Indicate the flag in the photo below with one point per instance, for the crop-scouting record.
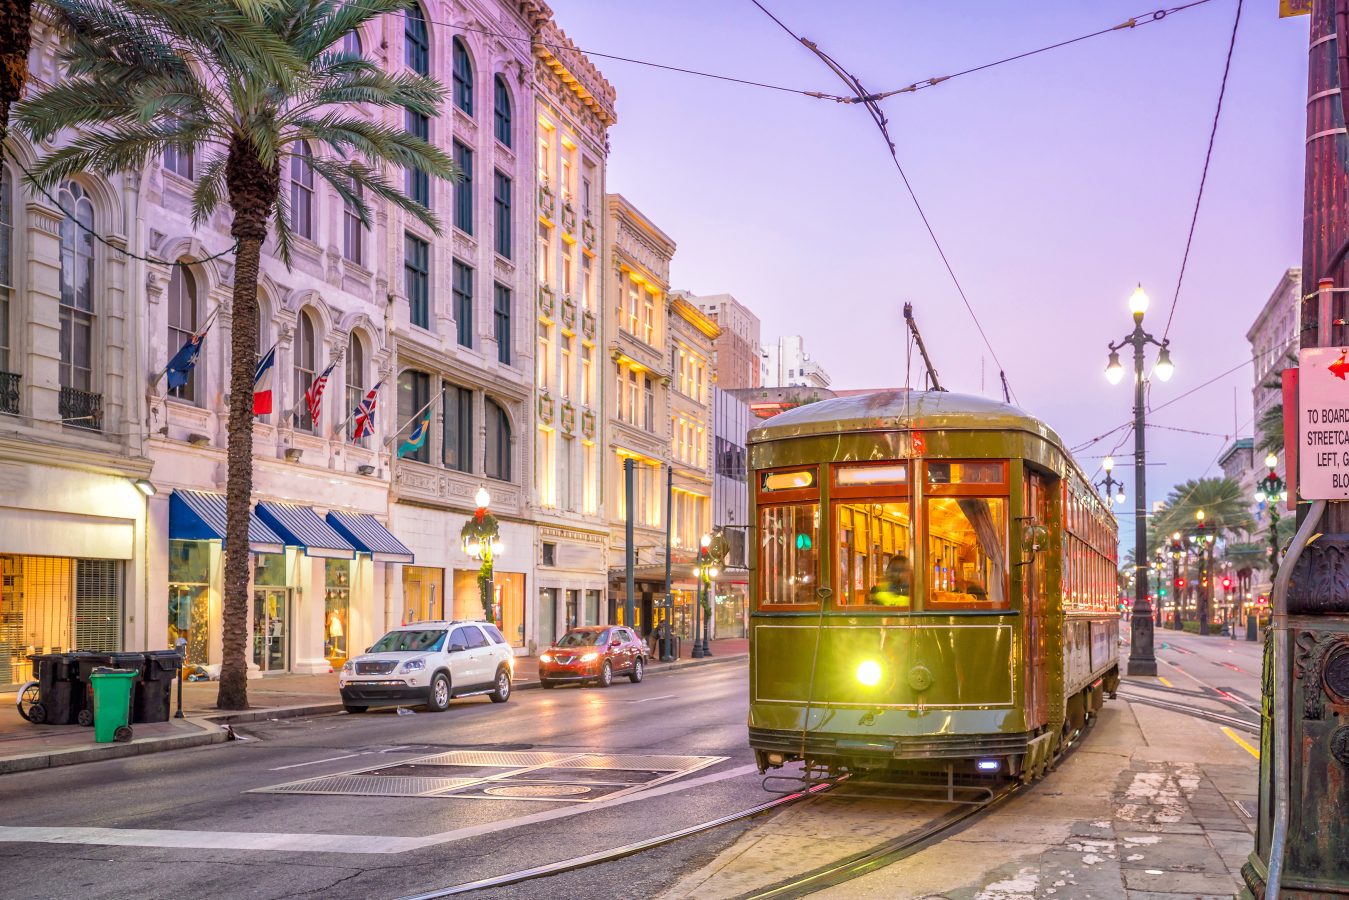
(418, 436)
(364, 414)
(262, 383)
(180, 367)
(314, 396)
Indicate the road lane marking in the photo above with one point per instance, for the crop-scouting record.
(1162, 679)
(649, 699)
(1240, 741)
(328, 843)
(315, 762)
(1205, 684)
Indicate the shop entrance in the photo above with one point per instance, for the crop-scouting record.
(271, 631)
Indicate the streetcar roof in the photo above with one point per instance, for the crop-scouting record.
(901, 410)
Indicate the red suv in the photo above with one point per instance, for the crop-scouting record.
(594, 653)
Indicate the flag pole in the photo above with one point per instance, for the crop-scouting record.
(416, 417)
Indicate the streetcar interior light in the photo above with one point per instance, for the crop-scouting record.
(1164, 368)
(987, 765)
(869, 672)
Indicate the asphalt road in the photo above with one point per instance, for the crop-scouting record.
(191, 823)
(1213, 665)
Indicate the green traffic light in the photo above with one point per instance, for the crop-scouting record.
(803, 542)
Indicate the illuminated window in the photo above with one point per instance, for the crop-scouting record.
(873, 543)
(967, 552)
(788, 536)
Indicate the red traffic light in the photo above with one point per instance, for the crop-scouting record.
(1227, 583)
(1180, 582)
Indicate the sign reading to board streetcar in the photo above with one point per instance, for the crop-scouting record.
(1323, 423)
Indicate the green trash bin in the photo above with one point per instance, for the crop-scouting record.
(113, 689)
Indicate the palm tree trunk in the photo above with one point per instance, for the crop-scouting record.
(16, 36)
(253, 189)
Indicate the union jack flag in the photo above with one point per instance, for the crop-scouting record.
(314, 395)
(363, 417)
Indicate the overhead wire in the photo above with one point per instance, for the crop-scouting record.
(1203, 175)
(873, 108)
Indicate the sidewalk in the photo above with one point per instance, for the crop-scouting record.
(1153, 805)
(25, 746)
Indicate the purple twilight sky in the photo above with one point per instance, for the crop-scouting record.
(1055, 184)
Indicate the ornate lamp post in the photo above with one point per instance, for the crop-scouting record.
(712, 550)
(1114, 490)
(482, 541)
(1271, 490)
(1142, 659)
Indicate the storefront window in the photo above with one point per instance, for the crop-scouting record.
(189, 599)
(592, 612)
(423, 594)
(788, 536)
(336, 610)
(51, 604)
(730, 606)
(269, 569)
(875, 553)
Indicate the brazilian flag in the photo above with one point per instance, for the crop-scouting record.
(417, 438)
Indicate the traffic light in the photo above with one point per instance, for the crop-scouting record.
(1227, 584)
(1180, 583)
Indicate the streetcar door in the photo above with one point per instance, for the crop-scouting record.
(1035, 583)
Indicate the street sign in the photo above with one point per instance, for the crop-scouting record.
(1323, 423)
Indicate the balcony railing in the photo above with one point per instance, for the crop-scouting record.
(81, 409)
(9, 393)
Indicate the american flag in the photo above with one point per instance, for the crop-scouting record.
(364, 414)
(314, 395)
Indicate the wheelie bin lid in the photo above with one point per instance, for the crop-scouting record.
(106, 671)
(161, 662)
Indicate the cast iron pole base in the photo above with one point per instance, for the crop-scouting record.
(1142, 660)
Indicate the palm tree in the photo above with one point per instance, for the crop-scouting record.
(245, 84)
(1224, 511)
(16, 36)
(1270, 428)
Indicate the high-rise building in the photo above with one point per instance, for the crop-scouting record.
(787, 364)
(736, 355)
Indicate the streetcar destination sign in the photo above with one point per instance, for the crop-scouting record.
(1323, 423)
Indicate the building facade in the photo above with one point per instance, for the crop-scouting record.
(731, 423)
(737, 357)
(787, 364)
(574, 109)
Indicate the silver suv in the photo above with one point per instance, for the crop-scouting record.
(427, 663)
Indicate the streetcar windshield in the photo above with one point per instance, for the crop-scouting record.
(967, 552)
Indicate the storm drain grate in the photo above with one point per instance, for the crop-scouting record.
(505, 775)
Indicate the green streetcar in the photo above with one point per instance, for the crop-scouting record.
(934, 588)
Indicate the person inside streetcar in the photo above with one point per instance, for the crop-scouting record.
(895, 588)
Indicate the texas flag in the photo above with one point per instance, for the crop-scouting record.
(262, 383)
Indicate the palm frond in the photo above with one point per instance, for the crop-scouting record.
(322, 31)
(376, 142)
(209, 189)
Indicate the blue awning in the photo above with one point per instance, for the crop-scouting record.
(301, 526)
(200, 516)
(367, 535)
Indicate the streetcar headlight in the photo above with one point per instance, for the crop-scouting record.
(869, 672)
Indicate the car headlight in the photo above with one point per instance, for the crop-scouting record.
(349, 667)
(590, 657)
(412, 665)
(545, 657)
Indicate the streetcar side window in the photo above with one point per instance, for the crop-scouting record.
(788, 560)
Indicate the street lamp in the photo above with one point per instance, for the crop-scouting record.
(1142, 659)
(482, 541)
(712, 549)
(1272, 490)
(1114, 490)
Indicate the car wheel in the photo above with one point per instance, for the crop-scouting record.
(638, 671)
(503, 691)
(439, 701)
(354, 709)
(546, 684)
(606, 676)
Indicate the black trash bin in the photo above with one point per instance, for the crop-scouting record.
(85, 663)
(60, 697)
(154, 692)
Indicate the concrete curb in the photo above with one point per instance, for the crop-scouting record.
(29, 762)
(214, 732)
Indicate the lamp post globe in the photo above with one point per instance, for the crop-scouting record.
(1138, 302)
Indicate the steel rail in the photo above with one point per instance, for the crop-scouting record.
(1226, 697)
(1219, 718)
(604, 856)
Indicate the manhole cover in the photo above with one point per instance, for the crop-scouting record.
(537, 790)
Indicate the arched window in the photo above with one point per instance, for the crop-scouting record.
(182, 303)
(498, 450)
(351, 43)
(77, 299)
(355, 379)
(178, 160)
(306, 367)
(463, 77)
(501, 110)
(416, 41)
(302, 192)
(9, 392)
(414, 393)
(352, 237)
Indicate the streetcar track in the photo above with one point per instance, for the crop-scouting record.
(1210, 715)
